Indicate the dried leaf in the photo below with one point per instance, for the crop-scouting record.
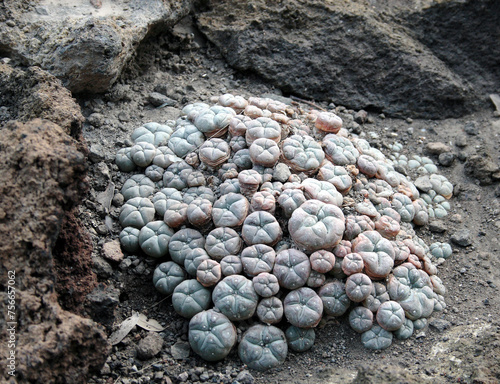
(125, 327)
(149, 325)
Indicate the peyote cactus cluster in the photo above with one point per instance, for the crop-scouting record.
(259, 211)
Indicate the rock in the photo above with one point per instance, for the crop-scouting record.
(85, 47)
(461, 141)
(102, 302)
(96, 153)
(75, 276)
(462, 238)
(183, 377)
(96, 119)
(440, 325)
(118, 200)
(35, 93)
(102, 267)
(446, 159)
(361, 116)
(495, 99)
(158, 99)
(245, 377)
(471, 128)
(438, 226)
(423, 183)
(123, 117)
(150, 346)
(180, 350)
(481, 167)
(42, 175)
(437, 148)
(112, 251)
(415, 77)
(106, 197)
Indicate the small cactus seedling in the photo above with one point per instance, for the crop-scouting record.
(376, 338)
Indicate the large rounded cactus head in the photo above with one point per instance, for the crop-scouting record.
(211, 335)
(316, 225)
(190, 298)
(154, 238)
(167, 276)
(303, 308)
(263, 347)
(235, 297)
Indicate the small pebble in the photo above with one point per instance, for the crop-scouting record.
(150, 346)
(360, 116)
(180, 350)
(461, 141)
(281, 172)
(471, 128)
(96, 153)
(440, 325)
(125, 264)
(183, 377)
(437, 148)
(437, 226)
(118, 200)
(245, 377)
(446, 159)
(112, 250)
(462, 238)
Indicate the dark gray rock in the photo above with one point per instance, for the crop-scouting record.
(347, 52)
(158, 99)
(471, 128)
(102, 302)
(360, 116)
(440, 325)
(102, 267)
(446, 159)
(461, 141)
(150, 346)
(462, 238)
(482, 168)
(437, 226)
(245, 377)
(96, 153)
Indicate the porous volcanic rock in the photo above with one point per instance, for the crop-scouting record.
(42, 177)
(31, 93)
(84, 45)
(352, 53)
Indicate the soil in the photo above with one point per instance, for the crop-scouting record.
(461, 345)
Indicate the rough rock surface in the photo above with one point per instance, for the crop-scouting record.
(35, 93)
(83, 45)
(42, 173)
(359, 54)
